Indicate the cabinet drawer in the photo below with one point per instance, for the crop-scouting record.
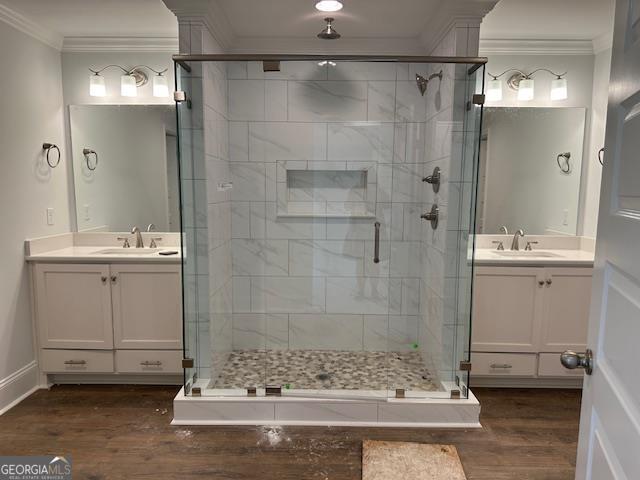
(504, 364)
(149, 361)
(549, 366)
(77, 361)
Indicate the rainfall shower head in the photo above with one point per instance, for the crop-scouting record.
(328, 32)
(423, 82)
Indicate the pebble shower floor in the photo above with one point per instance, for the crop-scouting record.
(325, 369)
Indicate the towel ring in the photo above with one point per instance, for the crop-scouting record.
(567, 166)
(87, 153)
(601, 156)
(47, 147)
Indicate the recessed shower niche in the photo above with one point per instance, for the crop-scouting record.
(326, 189)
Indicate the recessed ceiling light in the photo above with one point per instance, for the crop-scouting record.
(329, 5)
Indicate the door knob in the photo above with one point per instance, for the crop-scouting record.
(573, 360)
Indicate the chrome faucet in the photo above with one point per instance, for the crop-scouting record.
(139, 241)
(514, 244)
(504, 230)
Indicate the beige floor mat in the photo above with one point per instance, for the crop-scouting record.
(415, 461)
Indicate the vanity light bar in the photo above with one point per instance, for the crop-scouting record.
(523, 83)
(130, 81)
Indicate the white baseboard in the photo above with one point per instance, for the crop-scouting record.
(18, 386)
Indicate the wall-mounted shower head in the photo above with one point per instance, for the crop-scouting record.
(328, 32)
(423, 82)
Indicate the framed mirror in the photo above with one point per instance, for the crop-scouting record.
(530, 169)
(125, 167)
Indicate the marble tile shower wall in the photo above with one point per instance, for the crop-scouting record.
(446, 273)
(310, 282)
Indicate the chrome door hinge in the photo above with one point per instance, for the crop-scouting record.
(465, 366)
(455, 394)
(179, 96)
(187, 363)
(399, 392)
(252, 392)
(196, 392)
(478, 98)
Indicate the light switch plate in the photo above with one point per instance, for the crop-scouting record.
(87, 215)
(50, 220)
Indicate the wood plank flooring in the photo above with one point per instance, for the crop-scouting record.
(123, 432)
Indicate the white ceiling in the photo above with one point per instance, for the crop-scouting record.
(299, 18)
(96, 18)
(548, 20)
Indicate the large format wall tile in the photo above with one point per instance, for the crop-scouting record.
(326, 257)
(288, 294)
(274, 141)
(260, 257)
(326, 332)
(368, 295)
(327, 101)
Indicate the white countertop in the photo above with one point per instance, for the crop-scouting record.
(95, 255)
(540, 257)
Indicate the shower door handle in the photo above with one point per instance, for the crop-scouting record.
(376, 243)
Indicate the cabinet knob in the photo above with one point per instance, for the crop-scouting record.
(549, 281)
(113, 279)
(541, 282)
(104, 279)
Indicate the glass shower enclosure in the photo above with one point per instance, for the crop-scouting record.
(327, 207)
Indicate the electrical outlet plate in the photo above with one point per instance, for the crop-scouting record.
(50, 219)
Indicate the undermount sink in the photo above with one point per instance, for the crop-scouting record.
(128, 251)
(526, 253)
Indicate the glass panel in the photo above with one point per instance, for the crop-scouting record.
(285, 176)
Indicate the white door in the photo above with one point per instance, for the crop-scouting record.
(73, 304)
(147, 306)
(609, 446)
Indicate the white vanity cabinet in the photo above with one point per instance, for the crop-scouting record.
(108, 318)
(73, 305)
(524, 317)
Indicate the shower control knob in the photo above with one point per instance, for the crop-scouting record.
(434, 179)
(432, 216)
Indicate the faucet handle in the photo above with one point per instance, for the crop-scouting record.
(499, 243)
(528, 248)
(126, 242)
(153, 243)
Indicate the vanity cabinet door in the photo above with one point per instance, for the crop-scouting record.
(507, 305)
(73, 306)
(147, 306)
(566, 309)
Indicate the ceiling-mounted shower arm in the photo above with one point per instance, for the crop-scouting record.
(423, 82)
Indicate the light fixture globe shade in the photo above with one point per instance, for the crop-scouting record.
(494, 90)
(329, 5)
(559, 89)
(160, 86)
(525, 90)
(97, 87)
(128, 86)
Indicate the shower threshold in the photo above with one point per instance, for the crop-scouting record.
(321, 410)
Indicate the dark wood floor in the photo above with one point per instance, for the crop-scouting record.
(123, 432)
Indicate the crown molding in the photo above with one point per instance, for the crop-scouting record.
(535, 47)
(603, 42)
(207, 13)
(120, 44)
(31, 28)
(451, 14)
